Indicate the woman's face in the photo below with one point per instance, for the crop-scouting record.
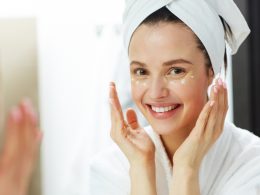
(169, 78)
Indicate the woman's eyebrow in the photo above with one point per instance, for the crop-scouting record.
(176, 61)
(137, 63)
(168, 63)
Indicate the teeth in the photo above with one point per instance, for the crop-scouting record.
(162, 109)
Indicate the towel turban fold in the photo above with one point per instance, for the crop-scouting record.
(202, 16)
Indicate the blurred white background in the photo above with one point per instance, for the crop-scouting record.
(79, 52)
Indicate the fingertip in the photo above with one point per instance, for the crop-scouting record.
(220, 82)
(130, 111)
(112, 84)
(224, 85)
(15, 115)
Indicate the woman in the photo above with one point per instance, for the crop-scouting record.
(176, 48)
(20, 150)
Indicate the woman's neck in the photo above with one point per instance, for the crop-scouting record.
(173, 141)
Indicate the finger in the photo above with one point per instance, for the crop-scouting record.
(11, 144)
(115, 102)
(222, 110)
(214, 114)
(33, 153)
(225, 99)
(35, 133)
(28, 123)
(203, 117)
(132, 118)
(118, 125)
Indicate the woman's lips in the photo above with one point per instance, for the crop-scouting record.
(164, 111)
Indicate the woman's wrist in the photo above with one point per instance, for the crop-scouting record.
(185, 180)
(146, 168)
(142, 163)
(185, 170)
(143, 179)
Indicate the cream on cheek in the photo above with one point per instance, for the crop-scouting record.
(139, 87)
(190, 90)
(187, 80)
(139, 83)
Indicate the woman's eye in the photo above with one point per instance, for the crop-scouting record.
(140, 72)
(177, 71)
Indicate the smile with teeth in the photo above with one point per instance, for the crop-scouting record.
(163, 109)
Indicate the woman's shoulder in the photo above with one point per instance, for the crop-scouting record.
(243, 146)
(242, 138)
(243, 158)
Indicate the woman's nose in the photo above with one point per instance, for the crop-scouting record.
(158, 88)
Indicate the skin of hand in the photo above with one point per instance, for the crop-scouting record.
(135, 143)
(20, 150)
(209, 126)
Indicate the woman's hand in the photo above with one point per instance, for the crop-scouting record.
(20, 150)
(128, 135)
(135, 144)
(209, 126)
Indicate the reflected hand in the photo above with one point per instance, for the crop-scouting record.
(128, 135)
(20, 150)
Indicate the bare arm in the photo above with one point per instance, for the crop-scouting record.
(143, 180)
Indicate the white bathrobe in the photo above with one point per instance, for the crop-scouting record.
(231, 167)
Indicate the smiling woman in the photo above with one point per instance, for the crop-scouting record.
(176, 50)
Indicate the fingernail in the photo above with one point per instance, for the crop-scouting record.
(220, 81)
(224, 85)
(212, 103)
(111, 84)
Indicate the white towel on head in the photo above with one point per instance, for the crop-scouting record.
(202, 16)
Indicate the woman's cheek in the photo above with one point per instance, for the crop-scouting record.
(138, 87)
(191, 91)
(183, 85)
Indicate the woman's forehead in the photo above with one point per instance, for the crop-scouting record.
(166, 41)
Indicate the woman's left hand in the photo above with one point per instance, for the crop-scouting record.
(208, 128)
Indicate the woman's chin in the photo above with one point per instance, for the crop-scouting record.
(164, 129)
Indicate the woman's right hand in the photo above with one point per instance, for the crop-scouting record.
(127, 134)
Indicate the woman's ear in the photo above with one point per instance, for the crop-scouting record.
(210, 75)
